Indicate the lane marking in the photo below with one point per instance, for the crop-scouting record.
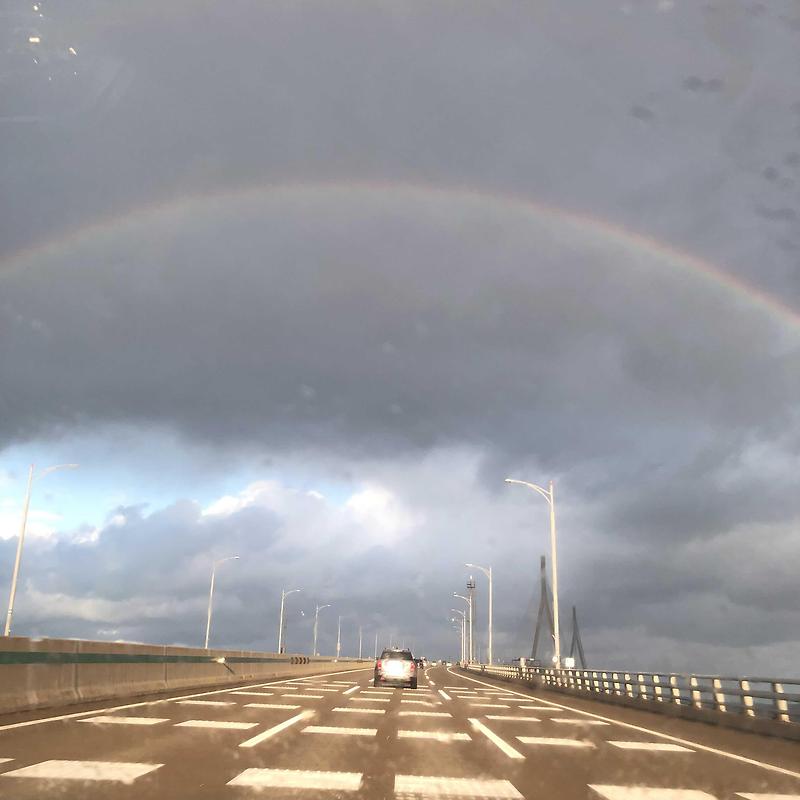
(429, 703)
(570, 721)
(351, 690)
(678, 740)
(539, 708)
(510, 717)
(304, 696)
(272, 705)
(361, 710)
(276, 729)
(320, 689)
(548, 740)
(377, 692)
(370, 699)
(255, 694)
(5, 760)
(495, 739)
(108, 709)
(648, 793)
(488, 705)
(751, 796)
(665, 747)
(109, 720)
(341, 731)
(424, 714)
(205, 703)
(407, 787)
(298, 779)
(444, 694)
(437, 736)
(120, 771)
(216, 723)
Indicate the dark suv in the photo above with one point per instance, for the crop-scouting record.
(396, 668)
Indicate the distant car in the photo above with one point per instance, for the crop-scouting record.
(396, 668)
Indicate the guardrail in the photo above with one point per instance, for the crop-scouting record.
(766, 705)
(39, 673)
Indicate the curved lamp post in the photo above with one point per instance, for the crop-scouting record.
(211, 593)
(284, 595)
(487, 571)
(15, 574)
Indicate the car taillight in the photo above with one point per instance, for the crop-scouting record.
(413, 666)
(378, 665)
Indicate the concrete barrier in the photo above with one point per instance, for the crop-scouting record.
(42, 673)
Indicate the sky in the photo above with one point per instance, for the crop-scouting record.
(303, 282)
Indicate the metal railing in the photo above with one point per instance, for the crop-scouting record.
(776, 699)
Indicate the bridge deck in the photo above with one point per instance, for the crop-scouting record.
(332, 735)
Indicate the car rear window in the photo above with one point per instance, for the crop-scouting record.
(401, 655)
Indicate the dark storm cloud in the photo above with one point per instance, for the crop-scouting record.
(371, 328)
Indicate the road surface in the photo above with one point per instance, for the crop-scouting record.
(334, 735)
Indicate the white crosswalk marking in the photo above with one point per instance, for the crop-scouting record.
(412, 787)
(501, 744)
(539, 708)
(297, 779)
(216, 723)
(119, 771)
(271, 705)
(340, 731)
(512, 718)
(565, 721)
(438, 736)
(304, 696)
(360, 699)
(423, 714)
(254, 694)
(666, 747)
(351, 690)
(751, 796)
(488, 705)
(110, 720)
(444, 694)
(546, 740)
(422, 702)
(647, 793)
(276, 729)
(205, 703)
(352, 710)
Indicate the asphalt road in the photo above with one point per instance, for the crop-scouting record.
(335, 736)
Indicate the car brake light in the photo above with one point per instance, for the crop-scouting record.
(413, 666)
(378, 665)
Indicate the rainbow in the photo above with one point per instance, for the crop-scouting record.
(697, 268)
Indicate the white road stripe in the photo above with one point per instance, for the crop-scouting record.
(124, 720)
(361, 710)
(495, 739)
(298, 779)
(205, 703)
(429, 786)
(665, 747)
(276, 729)
(570, 721)
(539, 708)
(361, 699)
(350, 690)
(378, 692)
(254, 694)
(556, 742)
(216, 723)
(341, 731)
(444, 694)
(321, 689)
(513, 718)
(648, 793)
(120, 771)
(422, 702)
(126, 706)
(5, 760)
(304, 696)
(658, 734)
(751, 796)
(424, 714)
(488, 705)
(287, 706)
(438, 736)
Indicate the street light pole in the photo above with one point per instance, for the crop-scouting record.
(316, 626)
(468, 601)
(487, 571)
(376, 645)
(211, 593)
(463, 632)
(359, 643)
(15, 574)
(549, 495)
(339, 638)
(284, 595)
